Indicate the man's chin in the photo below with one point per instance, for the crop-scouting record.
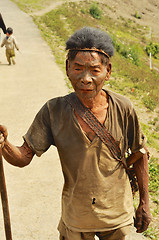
(86, 95)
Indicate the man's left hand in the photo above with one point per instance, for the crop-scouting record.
(143, 218)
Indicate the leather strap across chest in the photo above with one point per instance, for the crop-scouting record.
(95, 125)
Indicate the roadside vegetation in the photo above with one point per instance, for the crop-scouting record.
(30, 6)
(131, 73)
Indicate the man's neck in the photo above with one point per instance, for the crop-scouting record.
(97, 102)
(98, 107)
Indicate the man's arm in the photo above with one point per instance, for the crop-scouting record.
(17, 156)
(15, 44)
(143, 216)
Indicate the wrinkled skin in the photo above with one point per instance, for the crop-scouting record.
(87, 74)
(143, 215)
(17, 156)
(143, 218)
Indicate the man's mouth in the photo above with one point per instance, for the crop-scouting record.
(85, 89)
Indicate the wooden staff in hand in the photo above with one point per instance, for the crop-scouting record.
(4, 198)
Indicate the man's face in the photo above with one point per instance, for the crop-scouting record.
(87, 74)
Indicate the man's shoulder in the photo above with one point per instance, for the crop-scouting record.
(118, 98)
(58, 100)
(58, 103)
(120, 102)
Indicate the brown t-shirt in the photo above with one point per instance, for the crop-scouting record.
(97, 194)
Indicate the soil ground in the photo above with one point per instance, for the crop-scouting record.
(34, 192)
(147, 10)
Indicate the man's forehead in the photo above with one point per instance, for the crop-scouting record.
(87, 55)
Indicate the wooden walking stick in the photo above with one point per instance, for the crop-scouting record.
(4, 199)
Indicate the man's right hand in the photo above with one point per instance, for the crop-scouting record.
(17, 156)
(3, 135)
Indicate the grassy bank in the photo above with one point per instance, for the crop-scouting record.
(131, 75)
(30, 6)
(130, 62)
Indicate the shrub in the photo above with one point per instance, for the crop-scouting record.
(136, 15)
(134, 56)
(95, 11)
(153, 48)
(126, 51)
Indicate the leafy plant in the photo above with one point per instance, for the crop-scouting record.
(126, 51)
(95, 11)
(153, 48)
(136, 15)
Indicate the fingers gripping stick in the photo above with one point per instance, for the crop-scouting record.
(1, 140)
(4, 199)
(3, 135)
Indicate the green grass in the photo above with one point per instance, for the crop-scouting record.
(32, 5)
(154, 177)
(131, 64)
(153, 230)
(151, 134)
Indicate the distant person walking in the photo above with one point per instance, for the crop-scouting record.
(10, 43)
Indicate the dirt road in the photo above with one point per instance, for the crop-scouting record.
(34, 191)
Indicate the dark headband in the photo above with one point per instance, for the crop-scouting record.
(90, 49)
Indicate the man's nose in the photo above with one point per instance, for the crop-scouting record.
(86, 78)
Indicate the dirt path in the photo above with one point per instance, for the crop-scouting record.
(34, 192)
(52, 5)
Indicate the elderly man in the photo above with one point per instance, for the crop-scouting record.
(92, 128)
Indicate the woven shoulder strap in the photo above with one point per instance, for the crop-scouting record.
(95, 125)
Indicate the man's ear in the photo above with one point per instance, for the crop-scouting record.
(109, 70)
(67, 67)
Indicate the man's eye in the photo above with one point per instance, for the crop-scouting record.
(77, 69)
(96, 70)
